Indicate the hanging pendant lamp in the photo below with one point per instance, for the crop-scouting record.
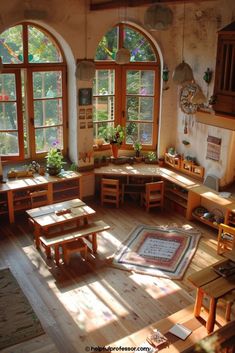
(183, 72)
(85, 69)
(123, 55)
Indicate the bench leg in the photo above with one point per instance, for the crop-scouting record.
(94, 243)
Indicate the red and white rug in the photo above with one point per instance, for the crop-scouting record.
(158, 251)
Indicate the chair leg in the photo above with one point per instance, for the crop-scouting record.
(228, 311)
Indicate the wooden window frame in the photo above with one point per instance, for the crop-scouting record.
(120, 87)
(33, 67)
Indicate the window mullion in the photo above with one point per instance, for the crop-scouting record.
(30, 103)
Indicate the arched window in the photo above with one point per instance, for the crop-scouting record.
(32, 93)
(127, 94)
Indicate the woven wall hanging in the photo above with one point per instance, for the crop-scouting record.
(213, 148)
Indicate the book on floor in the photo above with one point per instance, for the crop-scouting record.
(180, 331)
(157, 340)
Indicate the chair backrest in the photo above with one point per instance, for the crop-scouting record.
(154, 187)
(110, 191)
(39, 198)
(212, 182)
(109, 183)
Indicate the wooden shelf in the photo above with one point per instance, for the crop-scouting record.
(177, 192)
(205, 221)
(20, 192)
(176, 199)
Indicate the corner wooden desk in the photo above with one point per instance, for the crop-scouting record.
(208, 282)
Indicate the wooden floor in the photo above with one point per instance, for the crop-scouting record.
(91, 303)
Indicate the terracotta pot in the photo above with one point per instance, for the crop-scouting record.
(115, 150)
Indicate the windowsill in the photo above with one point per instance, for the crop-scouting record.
(215, 119)
(104, 147)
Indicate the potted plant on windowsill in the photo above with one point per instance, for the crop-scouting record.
(54, 159)
(137, 145)
(115, 136)
(151, 158)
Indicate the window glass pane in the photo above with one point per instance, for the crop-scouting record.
(46, 137)
(8, 118)
(11, 45)
(104, 82)
(7, 87)
(9, 143)
(47, 84)
(100, 127)
(140, 132)
(47, 112)
(103, 108)
(140, 108)
(140, 82)
(42, 49)
(107, 47)
(138, 45)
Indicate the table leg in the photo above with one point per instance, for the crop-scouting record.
(94, 243)
(37, 236)
(57, 254)
(212, 313)
(198, 302)
(48, 251)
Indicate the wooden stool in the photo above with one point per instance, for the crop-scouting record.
(74, 247)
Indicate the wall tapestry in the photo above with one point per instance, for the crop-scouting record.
(213, 148)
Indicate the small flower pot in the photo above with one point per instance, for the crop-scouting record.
(52, 170)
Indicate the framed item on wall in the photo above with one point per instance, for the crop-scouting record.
(90, 124)
(89, 113)
(82, 125)
(85, 96)
(82, 113)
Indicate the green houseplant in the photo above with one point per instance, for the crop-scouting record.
(137, 145)
(151, 157)
(54, 159)
(115, 136)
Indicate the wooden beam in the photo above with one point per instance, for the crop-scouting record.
(105, 5)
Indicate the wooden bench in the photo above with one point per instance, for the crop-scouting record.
(88, 231)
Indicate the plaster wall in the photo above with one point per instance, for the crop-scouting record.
(66, 20)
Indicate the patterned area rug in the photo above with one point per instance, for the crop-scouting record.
(158, 251)
(18, 322)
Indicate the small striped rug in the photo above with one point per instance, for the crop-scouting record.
(18, 321)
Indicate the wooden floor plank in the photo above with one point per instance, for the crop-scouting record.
(92, 303)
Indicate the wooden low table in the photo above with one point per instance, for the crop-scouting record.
(57, 216)
(208, 282)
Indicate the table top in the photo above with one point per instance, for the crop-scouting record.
(60, 212)
(211, 282)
